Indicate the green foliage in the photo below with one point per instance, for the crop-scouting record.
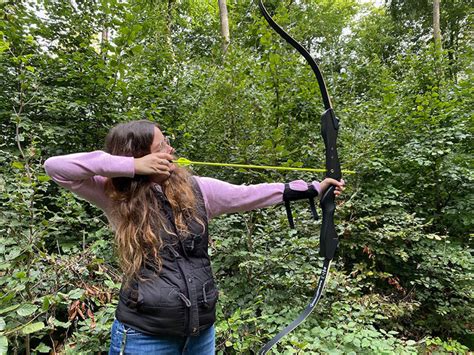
(403, 280)
(260, 294)
(436, 345)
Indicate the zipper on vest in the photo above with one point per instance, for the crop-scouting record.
(187, 314)
(204, 296)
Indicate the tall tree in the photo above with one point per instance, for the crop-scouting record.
(423, 16)
(169, 22)
(224, 25)
(436, 28)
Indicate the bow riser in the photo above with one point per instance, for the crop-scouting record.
(328, 238)
(329, 131)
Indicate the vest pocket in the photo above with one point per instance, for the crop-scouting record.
(156, 297)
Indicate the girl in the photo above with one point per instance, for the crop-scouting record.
(160, 215)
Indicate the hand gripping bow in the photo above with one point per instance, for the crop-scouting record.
(329, 129)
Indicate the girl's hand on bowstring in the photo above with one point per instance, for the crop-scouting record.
(155, 164)
(327, 182)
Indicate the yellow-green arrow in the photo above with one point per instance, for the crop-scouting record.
(185, 162)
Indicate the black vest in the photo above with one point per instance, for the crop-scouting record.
(181, 300)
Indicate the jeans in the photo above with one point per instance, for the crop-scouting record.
(128, 341)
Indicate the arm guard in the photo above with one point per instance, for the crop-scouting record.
(294, 195)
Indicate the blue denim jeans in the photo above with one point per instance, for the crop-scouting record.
(128, 341)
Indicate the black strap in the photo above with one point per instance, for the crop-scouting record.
(313, 208)
(295, 195)
(289, 215)
(307, 311)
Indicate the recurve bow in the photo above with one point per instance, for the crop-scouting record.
(329, 129)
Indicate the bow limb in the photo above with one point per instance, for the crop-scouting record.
(303, 52)
(329, 121)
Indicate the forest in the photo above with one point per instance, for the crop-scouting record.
(226, 88)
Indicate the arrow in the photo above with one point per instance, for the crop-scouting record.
(186, 162)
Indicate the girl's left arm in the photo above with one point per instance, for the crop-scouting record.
(221, 197)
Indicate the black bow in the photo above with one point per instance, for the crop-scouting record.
(329, 129)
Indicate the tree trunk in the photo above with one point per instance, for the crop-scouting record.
(169, 22)
(104, 42)
(436, 27)
(438, 63)
(105, 35)
(224, 25)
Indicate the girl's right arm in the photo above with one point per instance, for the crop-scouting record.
(85, 174)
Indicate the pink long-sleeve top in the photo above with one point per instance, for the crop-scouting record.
(85, 174)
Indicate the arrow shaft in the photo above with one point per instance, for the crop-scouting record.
(267, 167)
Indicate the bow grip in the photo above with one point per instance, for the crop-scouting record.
(328, 240)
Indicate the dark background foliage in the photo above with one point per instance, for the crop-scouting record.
(403, 280)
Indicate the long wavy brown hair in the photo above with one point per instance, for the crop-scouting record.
(137, 212)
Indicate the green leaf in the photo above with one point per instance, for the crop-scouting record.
(356, 342)
(58, 323)
(9, 309)
(44, 178)
(42, 348)
(33, 327)
(26, 309)
(3, 344)
(20, 275)
(75, 294)
(46, 303)
(18, 165)
(3, 45)
(2, 324)
(348, 338)
(14, 253)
